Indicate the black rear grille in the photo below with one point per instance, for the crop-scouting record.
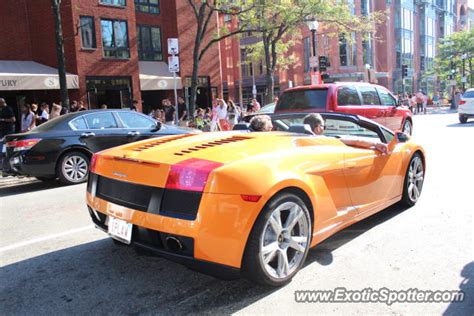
(130, 195)
(166, 202)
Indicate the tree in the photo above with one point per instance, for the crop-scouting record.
(204, 11)
(56, 5)
(454, 51)
(278, 23)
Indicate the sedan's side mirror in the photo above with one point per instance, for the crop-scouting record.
(157, 127)
(402, 137)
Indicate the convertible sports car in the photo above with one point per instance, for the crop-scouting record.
(250, 203)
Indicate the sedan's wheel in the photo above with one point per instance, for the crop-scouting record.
(73, 168)
(413, 181)
(279, 241)
(462, 119)
(407, 127)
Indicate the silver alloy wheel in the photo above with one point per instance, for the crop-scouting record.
(75, 168)
(407, 127)
(284, 240)
(415, 179)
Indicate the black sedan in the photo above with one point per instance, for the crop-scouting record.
(62, 148)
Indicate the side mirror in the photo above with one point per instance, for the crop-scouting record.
(157, 127)
(402, 137)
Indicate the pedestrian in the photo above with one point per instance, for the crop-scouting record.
(134, 106)
(7, 119)
(182, 112)
(55, 111)
(233, 113)
(27, 118)
(221, 110)
(420, 98)
(169, 110)
(255, 105)
(44, 115)
(74, 106)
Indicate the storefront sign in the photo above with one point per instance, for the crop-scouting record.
(8, 83)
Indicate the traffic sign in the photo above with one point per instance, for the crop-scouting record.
(313, 61)
(173, 46)
(173, 63)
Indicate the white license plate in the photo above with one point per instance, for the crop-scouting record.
(120, 230)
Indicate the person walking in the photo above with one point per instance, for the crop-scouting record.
(182, 112)
(55, 111)
(233, 113)
(169, 110)
(27, 118)
(7, 119)
(420, 98)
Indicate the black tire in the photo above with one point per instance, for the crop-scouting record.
(47, 179)
(408, 127)
(252, 265)
(462, 119)
(62, 173)
(407, 200)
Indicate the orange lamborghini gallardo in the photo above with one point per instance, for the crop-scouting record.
(250, 203)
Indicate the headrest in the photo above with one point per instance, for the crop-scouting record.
(241, 127)
(300, 129)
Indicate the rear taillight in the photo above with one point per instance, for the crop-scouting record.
(462, 102)
(93, 163)
(190, 174)
(25, 144)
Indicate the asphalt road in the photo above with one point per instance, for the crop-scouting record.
(54, 262)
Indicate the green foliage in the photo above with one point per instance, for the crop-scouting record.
(451, 50)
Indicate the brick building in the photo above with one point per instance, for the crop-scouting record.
(409, 36)
(116, 51)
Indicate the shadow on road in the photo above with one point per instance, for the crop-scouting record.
(467, 287)
(468, 124)
(27, 187)
(103, 278)
(322, 253)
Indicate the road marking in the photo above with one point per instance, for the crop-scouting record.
(38, 240)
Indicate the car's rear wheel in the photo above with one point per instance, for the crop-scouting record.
(407, 127)
(414, 178)
(73, 168)
(462, 119)
(279, 241)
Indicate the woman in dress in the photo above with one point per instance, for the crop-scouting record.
(27, 118)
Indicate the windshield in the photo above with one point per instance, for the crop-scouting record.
(302, 100)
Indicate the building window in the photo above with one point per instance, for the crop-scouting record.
(365, 7)
(347, 51)
(149, 43)
(87, 32)
(148, 6)
(118, 3)
(115, 39)
(367, 50)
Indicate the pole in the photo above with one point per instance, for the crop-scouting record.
(176, 115)
(464, 73)
(368, 74)
(313, 35)
(60, 53)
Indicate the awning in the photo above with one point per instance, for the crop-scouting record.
(30, 75)
(154, 75)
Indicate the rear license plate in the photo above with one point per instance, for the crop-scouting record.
(120, 230)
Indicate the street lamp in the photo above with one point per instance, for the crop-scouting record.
(313, 26)
(367, 66)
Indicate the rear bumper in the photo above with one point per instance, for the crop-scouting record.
(218, 233)
(22, 164)
(214, 269)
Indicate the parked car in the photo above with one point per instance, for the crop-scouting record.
(62, 147)
(466, 106)
(251, 203)
(372, 101)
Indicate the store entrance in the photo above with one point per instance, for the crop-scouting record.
(115, 92)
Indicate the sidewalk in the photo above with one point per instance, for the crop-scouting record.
(440, 110)
(6, 182)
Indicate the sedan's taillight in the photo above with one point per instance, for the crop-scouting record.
(25, 144)
(191, 174)
(462, 102)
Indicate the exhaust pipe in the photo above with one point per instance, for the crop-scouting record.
(174, 244)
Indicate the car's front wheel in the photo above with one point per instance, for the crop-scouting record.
(462, 119)
(407, 127)
(279, 241)
(414, 178)
(73, 168)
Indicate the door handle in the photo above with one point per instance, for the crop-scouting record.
(87, 134)
(133, 133)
